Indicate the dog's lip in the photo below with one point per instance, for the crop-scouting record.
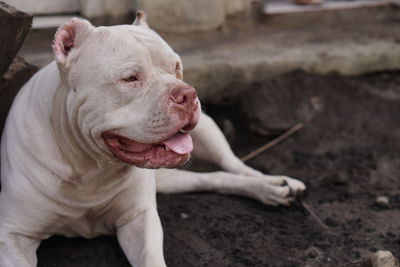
(154, 155)
(163, 154)
(181, 143)
(115, 141)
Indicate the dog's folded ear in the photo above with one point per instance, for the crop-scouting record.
(140, 19)
(69, 36)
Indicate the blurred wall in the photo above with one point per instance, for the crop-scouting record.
(87, 8)
(164, 15)
(187, 16)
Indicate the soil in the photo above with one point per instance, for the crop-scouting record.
(347, 154)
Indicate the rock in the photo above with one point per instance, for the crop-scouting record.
(17, 75)
(382, 202)
(384, 259)
(14, 26)
(313, 252)
(181, 16)
(184, 216)
(313, 257)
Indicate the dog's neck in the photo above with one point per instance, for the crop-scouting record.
(85, 157)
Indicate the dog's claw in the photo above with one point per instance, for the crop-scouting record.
(297, 187)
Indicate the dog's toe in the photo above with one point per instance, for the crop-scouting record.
(282, 195)
(283, 191)
(297, 187)
(277, 180)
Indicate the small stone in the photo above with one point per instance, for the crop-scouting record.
(184, 216)
(382, 202)
(313, 252)
(384, 259)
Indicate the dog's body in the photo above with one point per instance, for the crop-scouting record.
(89, 139)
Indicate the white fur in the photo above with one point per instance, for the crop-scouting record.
(57, 175)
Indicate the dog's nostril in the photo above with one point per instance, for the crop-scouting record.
(178, 99)
(184, 100)
(183, 95)
(187, 128)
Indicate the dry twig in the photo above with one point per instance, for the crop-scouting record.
(312, 213)
(272, 143)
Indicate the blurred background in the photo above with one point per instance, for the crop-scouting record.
(260, 67)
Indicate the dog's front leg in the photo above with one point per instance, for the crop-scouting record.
(211, 145)
(17, 250)
(142, 239)
(172, 181)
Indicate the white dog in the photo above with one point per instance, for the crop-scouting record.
(85, 135)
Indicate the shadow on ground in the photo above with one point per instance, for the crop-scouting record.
(348, 155)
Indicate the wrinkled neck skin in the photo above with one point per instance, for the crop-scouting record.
(80, 150)
(87, 160)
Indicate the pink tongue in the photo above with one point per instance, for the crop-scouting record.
(180, 143)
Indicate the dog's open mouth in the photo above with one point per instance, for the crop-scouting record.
(169, 153)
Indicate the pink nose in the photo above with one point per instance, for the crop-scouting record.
(184, 96)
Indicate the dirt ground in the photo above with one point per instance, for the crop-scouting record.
(347, 154)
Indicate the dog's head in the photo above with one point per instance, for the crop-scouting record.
(125, 95)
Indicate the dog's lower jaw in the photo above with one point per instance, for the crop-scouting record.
(178, 162)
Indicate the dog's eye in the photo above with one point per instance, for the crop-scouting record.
(178, 71)
(177, 66)
(131, 79)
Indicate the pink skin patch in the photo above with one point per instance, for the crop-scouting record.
(63, 42)
(170, 153)
(65, 38)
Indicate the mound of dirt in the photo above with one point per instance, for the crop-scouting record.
(348, 154)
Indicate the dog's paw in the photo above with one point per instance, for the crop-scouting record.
(274, 195)
(296, 186)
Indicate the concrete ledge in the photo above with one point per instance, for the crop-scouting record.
(221, 73)
(282, 7)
